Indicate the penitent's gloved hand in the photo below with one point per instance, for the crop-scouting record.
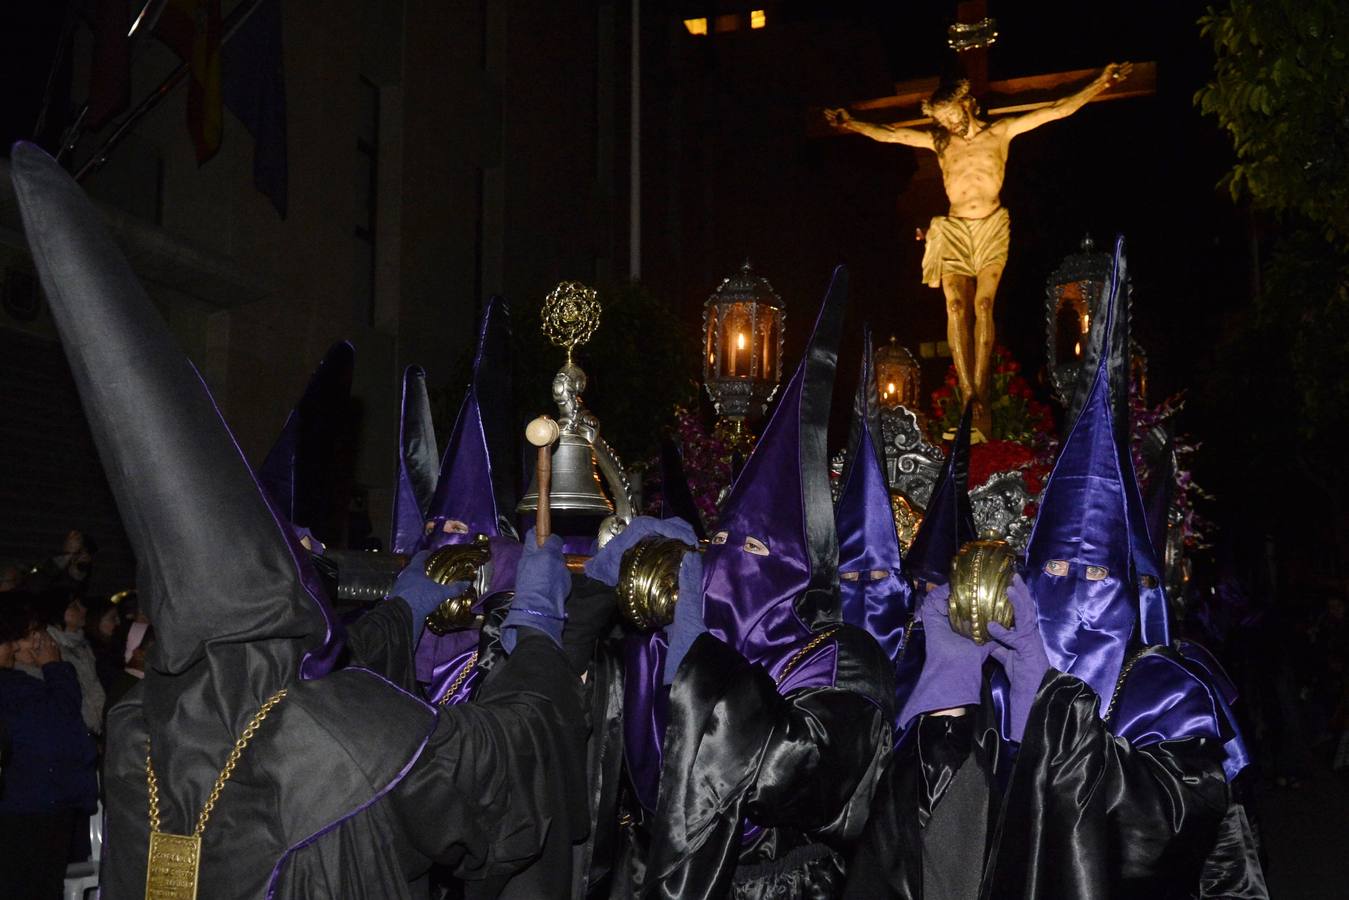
(1022, 654)
(603, 566)
(542, 584)
(952, 673)
(688, 616)
(420, 593)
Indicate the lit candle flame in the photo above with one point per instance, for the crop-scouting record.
(740, 341)
(1077, 349)
(889, 388)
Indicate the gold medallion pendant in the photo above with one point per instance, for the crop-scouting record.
(175, 859)
(171, 873)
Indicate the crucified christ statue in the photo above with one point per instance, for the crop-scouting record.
(967, 248)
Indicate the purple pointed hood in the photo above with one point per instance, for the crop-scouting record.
(415, 482)
(874, 594)
(297, 472)
(1082, 551)
(948, 521)
(769, 574)
(474, 485)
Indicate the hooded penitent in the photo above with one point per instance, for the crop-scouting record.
(770, 572)
(874, 593)
(229, 591)
(948, 520)
(1082, 562)
(298, 472)
(415, 480)
(471, 495)
(474, 494)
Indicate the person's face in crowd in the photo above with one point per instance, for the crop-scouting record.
(32, 648)
(107, 624)
(76, 613)
(9, 578)
(8, 650)
(74, 542)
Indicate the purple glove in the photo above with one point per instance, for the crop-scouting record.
(952, 673)
(603, 566)
(542, 584)
(421, 594)
(1022, 654)
(315, 546)
(688, 617)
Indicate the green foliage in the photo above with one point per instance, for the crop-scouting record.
(641, 363)
(1280, 89)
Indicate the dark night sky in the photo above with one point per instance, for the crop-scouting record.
(749, 181)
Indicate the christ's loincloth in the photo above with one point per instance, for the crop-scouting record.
(965, 246)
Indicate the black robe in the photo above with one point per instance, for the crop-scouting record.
(800, 769)
(353, 788)
(1072, 811)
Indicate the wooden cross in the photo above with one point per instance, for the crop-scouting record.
(996, 98)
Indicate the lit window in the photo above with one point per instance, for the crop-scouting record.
(757, 19)
(696, 26)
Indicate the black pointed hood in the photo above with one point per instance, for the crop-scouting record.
(217, 566)
(298, 473)
(415, 481)
(948, 520)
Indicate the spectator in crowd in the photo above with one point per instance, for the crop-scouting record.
(64, 616)
(11, 576)
(68, 570)
(49, 786)
(103, 629)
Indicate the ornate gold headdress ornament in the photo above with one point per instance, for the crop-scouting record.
(571, 313)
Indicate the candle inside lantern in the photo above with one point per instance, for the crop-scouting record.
(735, 354)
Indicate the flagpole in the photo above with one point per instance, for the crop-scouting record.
(100, 156)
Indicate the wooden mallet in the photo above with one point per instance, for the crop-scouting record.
(542, 432)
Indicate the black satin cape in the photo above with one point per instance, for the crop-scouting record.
(1074, 811)
(319, 808)
(760, 791)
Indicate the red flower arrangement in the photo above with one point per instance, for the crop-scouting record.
(707, 465)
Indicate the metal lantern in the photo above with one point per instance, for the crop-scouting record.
(898, 378)
(1072, 297)
(742, 345)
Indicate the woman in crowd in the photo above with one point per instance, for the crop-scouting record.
(49, 787)
(64, 615)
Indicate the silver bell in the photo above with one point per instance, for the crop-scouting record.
(576, 487)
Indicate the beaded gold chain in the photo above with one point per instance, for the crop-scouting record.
(225, 773)
(459, 679)
(801, 654)
(174, 862)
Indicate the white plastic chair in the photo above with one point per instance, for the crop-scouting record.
(82, 877)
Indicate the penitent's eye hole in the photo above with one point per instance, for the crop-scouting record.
(878, 574)
(454, 526)
(756, 546)
(719, 537)
(849, 576)
(1097, 573)
(1056, 567)
(1148, 581)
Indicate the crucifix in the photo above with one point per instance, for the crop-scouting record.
(966, 249)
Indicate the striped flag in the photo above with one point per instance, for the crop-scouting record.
(192, 29)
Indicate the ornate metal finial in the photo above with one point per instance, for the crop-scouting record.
(972, 35)
(571, 313)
